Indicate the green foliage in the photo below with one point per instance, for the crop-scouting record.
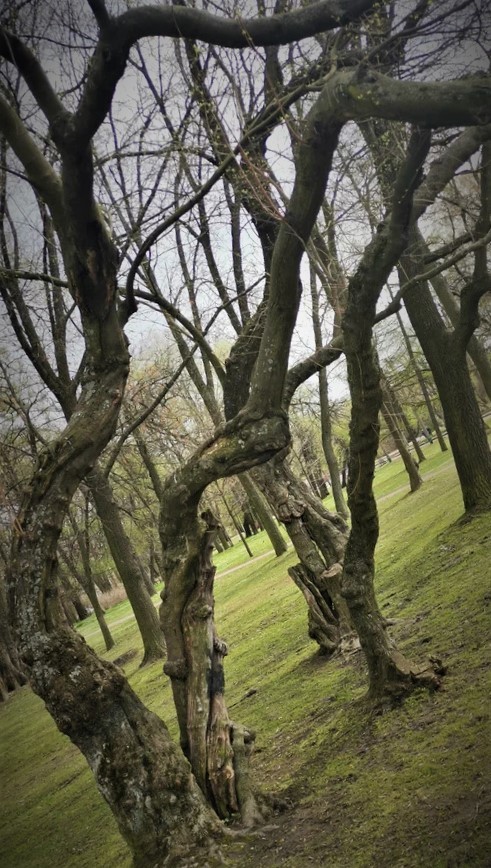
(408, 788)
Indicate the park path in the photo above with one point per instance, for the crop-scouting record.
(218, 576)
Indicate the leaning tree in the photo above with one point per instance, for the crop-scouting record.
(160, 806)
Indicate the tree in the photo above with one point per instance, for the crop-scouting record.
(159, 806)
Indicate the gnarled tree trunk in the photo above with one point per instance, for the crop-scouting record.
(390, 673)
(319, 538)
(216, 747)
(141, 774)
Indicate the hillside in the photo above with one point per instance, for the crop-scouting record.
(411, 787)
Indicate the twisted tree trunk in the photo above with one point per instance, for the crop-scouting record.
(390, 673)
(216, 747)
(319, 538)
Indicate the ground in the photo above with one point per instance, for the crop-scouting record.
(409, 788)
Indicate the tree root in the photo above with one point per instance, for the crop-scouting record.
(402, 680)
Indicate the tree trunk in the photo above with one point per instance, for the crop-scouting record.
(128, 567)
(390, 674)
(330, 456)
(216, 747)
(319, 539)
(400, 442)
(465, 426)
(261, 509)
(399, 414)
(325, 413)
(99, 613)
(422, 385)
(12, 674)
(138, 770)
(474, 348)
(87, 583)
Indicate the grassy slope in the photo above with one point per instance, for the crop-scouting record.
(409, 788)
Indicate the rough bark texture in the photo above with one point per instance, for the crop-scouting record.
(447, 360)
(319, 538)
(216, 747)
(147, 783)
(128, 568)
(12, 674)
(138, 769)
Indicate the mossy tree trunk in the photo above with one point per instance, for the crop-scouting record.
(390, 673)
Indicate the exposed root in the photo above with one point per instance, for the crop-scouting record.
(404, 680)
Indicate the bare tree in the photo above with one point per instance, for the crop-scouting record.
(160, 807)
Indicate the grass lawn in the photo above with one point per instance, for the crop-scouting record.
(411, 787)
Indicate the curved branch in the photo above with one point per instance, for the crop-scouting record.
(16, 52)
(301, 372)
(41, 175)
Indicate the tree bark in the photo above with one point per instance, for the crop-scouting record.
(263, 513)
(128, 567)
(319, 538)
(215, 746)
(141, 774)
(390, 674)
(474, 348)
(325, 415)
(12, 674)
(447, 360)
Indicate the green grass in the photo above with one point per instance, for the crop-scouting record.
(407, 788)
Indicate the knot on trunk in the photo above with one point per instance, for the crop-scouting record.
(290, 509)
(176, 669)
(200, 611)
